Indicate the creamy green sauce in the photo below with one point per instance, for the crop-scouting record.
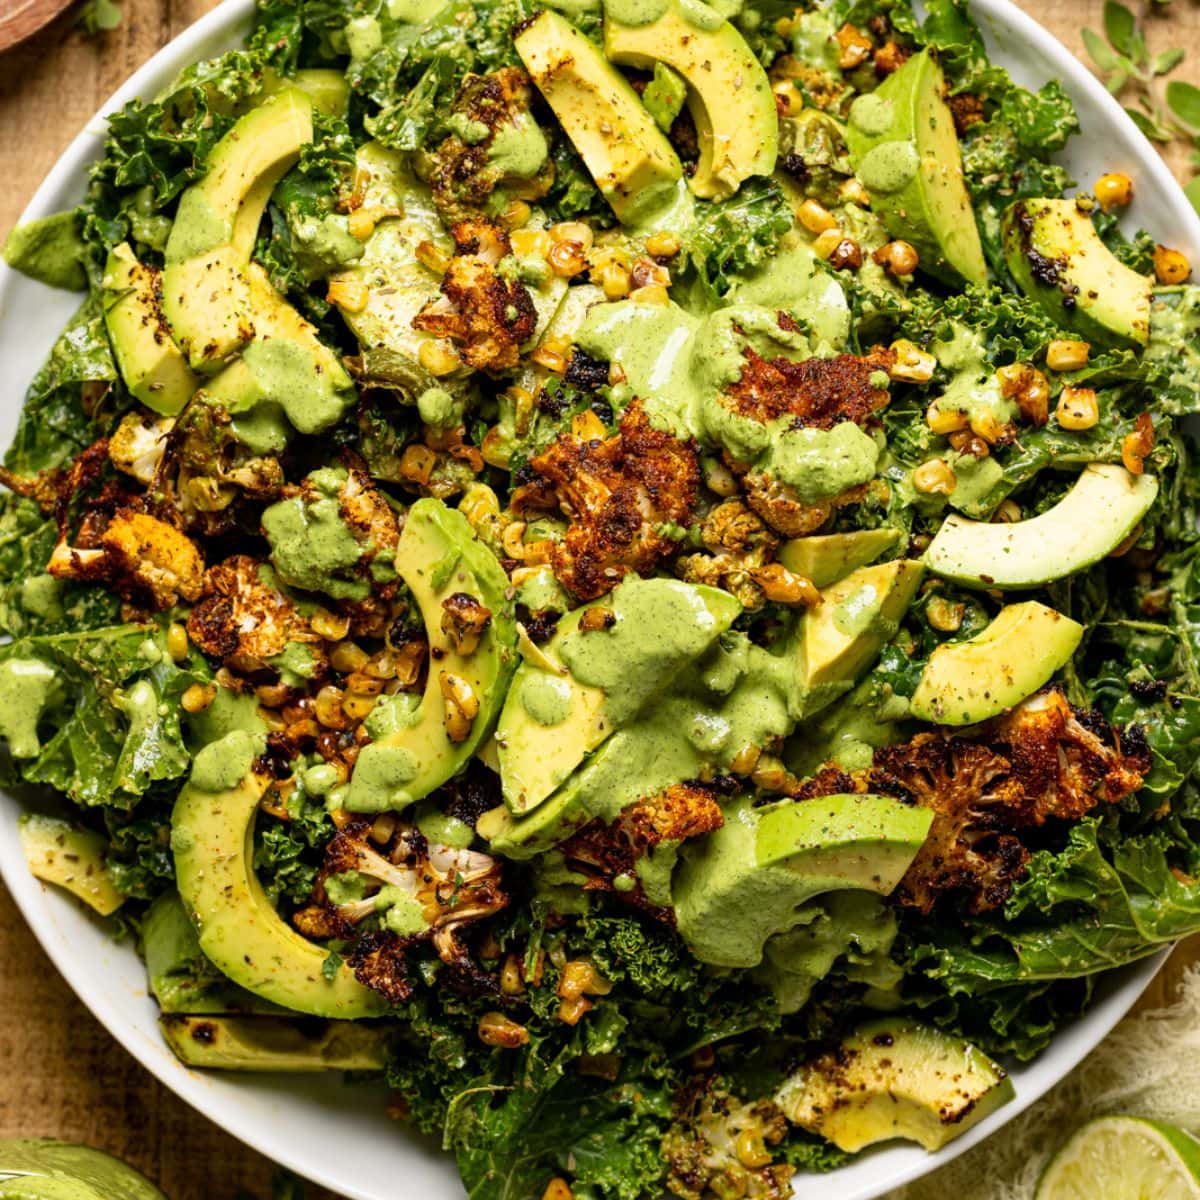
(295, 664)
(324, 243)
(889, 167)
(223, 764)
(546, 698)
(519, 149)
(263, 430)
(440, 409)
(541, 591)
(700, 16)
(42, 596)
(442, 829)
(381, 773)
(311, 544)
(635, 12)
(467, 128)
(973, 388)
(873, 114)
(977, 479)
(813, 41)
(283, 372)
(228, 712)
(364, 35)
(28, 686)
(198, 227)
(404, 916)
(50, 250)
(858, 613)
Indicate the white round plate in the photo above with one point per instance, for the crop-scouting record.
(297, 1121)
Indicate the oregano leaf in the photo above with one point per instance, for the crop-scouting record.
(1183, 99)
(1120, 26)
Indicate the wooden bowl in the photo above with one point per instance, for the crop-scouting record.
(20, 19)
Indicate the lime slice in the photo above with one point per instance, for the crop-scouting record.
(1124, 1158)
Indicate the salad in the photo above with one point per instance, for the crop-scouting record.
(631, 570)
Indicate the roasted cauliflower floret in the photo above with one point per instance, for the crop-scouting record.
(138, 445)
(621, 495)
(139, 557)
(486, 316)
(495, 143)
(1043, 761)
(414, 891)
(244, 619)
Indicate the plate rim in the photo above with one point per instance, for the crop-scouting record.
(1126, 983)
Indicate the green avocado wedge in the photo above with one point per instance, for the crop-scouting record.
(728, 92)
(71, 858)
(552, 719)
(42, 1169)
(746, 882)
(825, 558)
(895, 1078)
(1099, 512)
(969, 681)
(417, 747)
(1056, 256)
(212, 839)
(905, 151)
(274, 1044)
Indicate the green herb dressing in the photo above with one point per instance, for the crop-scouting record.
(223, 764)
(28, 686)
(546, 698)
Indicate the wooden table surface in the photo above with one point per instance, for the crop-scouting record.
(60, 1073)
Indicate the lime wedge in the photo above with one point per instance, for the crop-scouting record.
(1124, 1158)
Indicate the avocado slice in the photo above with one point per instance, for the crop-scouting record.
(59, 853)
(969, 681)
(745, 882)
(728, 93)
(152, 366)
(286, 363)
(181, 979)
(840, 638)
(824, 558)
(1057, 258)
(212, 839)
(326, 87)
(43, 1169)
(895, 1078)
(274, 1044)
(552, 719)
(904, 149)
(1088, 523)
(205, 297)
(439, 557)
(628, 156)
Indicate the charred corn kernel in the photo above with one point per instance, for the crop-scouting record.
(719, 478)
(554, 362)
(588, 427)
(935, 477)
(567, 259)
(527, 242)
(1078, 408)
(495, 1029)
(1113, 190)
(944, 615)
(382, 828)
(381, 665)
(1065, 354)
(986, 425)
(815, 217)
(770, 774)
(614, 278)
(784, 26)
(515, 214)
(1170, 266)
(897, 257)
(646, 272)
(331, 626)
(460, 705)
(480, 505)
(512, 540)
(177, 641)
(1009, 513)
(570, 1012)
(781, 586)
(580, 978)
(347, 656)
(359, 179)
(328, 707)
(846, 255)
(573, 231)
(826, 242)
(417, 463)
(750, 1150)
(558, 1189)
(198, 697)
(746, 759)
(852, 191)
(272, 695)
(358, 705)
(652, 293)
(945, 420)
(432, 258)
(912, 364)
(438, 357)
(350, 295)
(512, 982)
(361, 223)
(789, 101)
(363, 684)
(854, 47)
(663, 245)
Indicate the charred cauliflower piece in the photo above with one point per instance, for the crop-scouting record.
(139, 557)
(494, 143)
(337, 509)
(618, 493)
(243, 618)
(1043, 761)
(139, 444)
(415, 891)
(487, 317)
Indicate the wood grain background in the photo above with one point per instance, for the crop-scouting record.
(61, 1075)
